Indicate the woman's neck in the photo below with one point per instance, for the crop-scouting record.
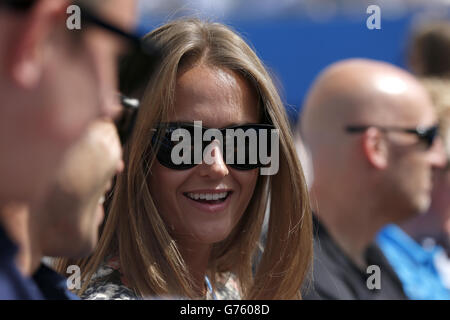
(196, 257)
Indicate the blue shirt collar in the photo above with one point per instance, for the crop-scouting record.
(408, 245)
(44, 284)
(8, 249)
(52, 285)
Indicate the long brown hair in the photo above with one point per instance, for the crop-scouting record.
(135, 231)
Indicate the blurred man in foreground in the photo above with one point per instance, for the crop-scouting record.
(53, 82)
(66, 225)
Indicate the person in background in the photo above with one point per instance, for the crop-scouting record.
(53, 82)
(429, 49)
(192, 230)
(371, 131)
(418, 249)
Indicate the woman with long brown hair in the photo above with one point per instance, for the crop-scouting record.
(193, 230)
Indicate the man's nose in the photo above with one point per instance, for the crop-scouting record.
(110, 106)
(216, 167)
(120, 166)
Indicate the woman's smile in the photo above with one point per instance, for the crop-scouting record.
(212, 201)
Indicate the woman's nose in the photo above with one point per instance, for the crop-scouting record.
(213, 164)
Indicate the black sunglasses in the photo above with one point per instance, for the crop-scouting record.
(146, 47)
(163, 145)
(426, 135)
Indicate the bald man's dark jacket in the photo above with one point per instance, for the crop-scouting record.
(335, 276)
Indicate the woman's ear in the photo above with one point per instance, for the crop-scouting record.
(375, 148)
(26, 53)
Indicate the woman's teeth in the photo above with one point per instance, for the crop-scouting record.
(207, 196)
(101, 201)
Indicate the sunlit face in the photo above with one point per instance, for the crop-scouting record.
(411, 162)
(219, 98)
(437, 219)
(440, 205)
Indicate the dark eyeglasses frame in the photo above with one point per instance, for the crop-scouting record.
(427, 135)
(19, 5)
(127, 119)
(171, 126)
(88, 15)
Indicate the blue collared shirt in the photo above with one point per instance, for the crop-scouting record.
(415, 265)
(45, 284)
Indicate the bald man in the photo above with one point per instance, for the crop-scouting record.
(370, 130)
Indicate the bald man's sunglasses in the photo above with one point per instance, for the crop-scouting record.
(427, 135)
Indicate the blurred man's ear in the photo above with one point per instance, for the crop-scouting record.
(304, 156)
(31, 36)
(375, 148)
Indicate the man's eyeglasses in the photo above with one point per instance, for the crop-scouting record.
(426, 135)
(145, 49)
(88, 16)
(127, 119)
(20, 5)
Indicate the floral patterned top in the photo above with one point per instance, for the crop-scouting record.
(108, 283)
